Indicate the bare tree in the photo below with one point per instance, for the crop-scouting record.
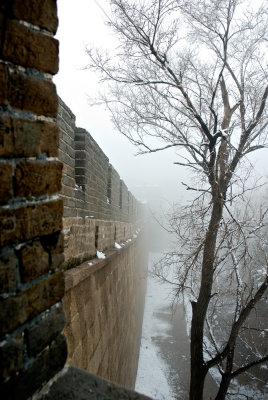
(235, 334)
(193, 76)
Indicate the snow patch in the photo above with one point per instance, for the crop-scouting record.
(100, 255)
(117, 245)
(150, 381)
(77, 187)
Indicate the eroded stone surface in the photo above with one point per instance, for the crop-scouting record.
(80, 385)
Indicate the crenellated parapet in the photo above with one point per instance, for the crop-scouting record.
(99, 210)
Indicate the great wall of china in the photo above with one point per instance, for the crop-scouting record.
(73, 264)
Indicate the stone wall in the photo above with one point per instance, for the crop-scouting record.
(98, 208)
(98, 211)
(104, 299)
(32, 349)
(103, 304)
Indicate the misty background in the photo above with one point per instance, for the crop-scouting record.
(152, 178)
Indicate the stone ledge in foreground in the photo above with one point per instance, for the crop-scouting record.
(74, 383)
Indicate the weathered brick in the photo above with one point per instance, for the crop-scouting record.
(57, 260)
(44, 367)
(69, 212)
(41, 334)
(37, 178)
(49, 140)
(22, 138)
(30, 303)
(3, 84)
(8, 263)
(6, 184)
(68, 181)
(80, 163)
(28, 93)
(30, 221)
(29, 48)
(34, 261)
(42, 13)
(11, 357)
(80, 155)
(11, 306)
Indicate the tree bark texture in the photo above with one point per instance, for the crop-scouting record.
(199, 308)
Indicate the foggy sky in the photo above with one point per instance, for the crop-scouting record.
(151, 177)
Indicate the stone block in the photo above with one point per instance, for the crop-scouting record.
(3, 82)
(57, 260)
(41, 334)
(42, 13)
(11, 357)
(79, 146)
(69, 212)
(49, 140)
(8, 266)
(66, 159)
(34, 261)
(80, 163)
(28, 93)
(28, 48)
(6, 184)
(80, 195)
(22, 138)
(11, 306)
(80, 155)
(37, 178)
(19, 224)
(43, 368)
(68, 181)
(75, 383)
(67, 191)
(30, 303)
(80, 171)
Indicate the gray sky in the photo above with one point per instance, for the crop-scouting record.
(150, 176)
(81, 23)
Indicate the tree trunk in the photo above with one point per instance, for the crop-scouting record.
(226, 377)
(198, 376)
(225, 382)
(199, 308)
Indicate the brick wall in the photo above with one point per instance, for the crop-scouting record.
(98, 208)
(104, 299)
(31, 253)
(94, 210)
(103, 304)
